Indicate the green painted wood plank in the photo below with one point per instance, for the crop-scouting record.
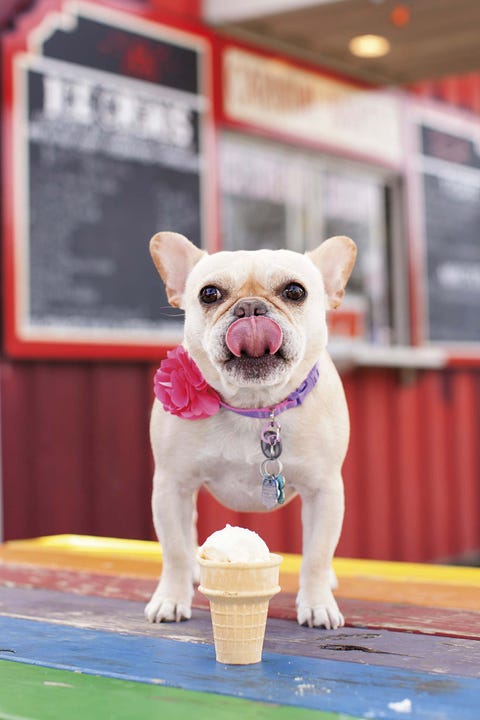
(31, 692)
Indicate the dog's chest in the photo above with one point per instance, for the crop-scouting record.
(239, 487)
(231, 465)
(236, 439)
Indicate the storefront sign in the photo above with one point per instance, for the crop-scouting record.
(445, 202)
(281, 98)
(106, 147)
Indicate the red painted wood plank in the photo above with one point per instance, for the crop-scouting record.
(409, 618)
(358, 613)
(76, 582)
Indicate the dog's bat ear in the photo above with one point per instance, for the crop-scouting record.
(174, 256)
(335, 259)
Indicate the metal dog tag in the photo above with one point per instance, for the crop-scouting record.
(280, 481)
(271, 445)
(273, 491)
(269, 492)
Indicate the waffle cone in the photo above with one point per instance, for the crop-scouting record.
(239, 594)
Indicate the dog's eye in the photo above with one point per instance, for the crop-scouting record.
(294, 291)
(210, 294)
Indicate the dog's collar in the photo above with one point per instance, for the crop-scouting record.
(183, 391)
(295, 399)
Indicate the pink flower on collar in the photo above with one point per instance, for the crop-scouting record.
(182, 389)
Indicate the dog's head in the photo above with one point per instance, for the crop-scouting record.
(253, 318)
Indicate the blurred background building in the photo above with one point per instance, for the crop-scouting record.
(262, 123)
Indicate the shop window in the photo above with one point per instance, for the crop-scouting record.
(263, 196)
(355, 206)
(276, 197)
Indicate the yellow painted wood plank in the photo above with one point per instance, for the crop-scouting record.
(433, 595)
(142, 558)
(90, 545)
(406, 572)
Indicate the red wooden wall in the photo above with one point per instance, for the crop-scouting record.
(75, 448)
(76, 457)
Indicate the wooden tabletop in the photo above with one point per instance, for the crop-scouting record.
(73, 642)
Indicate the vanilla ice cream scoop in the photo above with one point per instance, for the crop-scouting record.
(234, 545)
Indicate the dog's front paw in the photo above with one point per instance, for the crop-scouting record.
(169, 605)
(320, 611)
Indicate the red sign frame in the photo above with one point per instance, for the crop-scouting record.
(87, 344)
(447, 119)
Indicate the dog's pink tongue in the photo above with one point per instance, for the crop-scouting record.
(255, 336)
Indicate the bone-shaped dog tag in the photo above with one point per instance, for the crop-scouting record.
(269, 492)
(273, 491)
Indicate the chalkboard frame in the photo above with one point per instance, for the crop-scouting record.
(21, 338)
(424, 115)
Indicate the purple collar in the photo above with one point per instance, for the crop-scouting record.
(295, 399)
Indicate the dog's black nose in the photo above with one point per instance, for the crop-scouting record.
(250, 306)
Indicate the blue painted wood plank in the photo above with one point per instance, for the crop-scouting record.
(424, 653)
(327, 685)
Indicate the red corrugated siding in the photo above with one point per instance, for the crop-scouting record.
(75, 449)
(76, 458)
(415, 458)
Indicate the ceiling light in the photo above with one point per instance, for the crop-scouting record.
(369, 46)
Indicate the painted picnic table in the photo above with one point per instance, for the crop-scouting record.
(74, 644)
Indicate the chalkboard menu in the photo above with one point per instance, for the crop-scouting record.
(450, 181)
(109, 123)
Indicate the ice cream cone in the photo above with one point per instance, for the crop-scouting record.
(239, 593)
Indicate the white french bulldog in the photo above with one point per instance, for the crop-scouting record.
(255, 329)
